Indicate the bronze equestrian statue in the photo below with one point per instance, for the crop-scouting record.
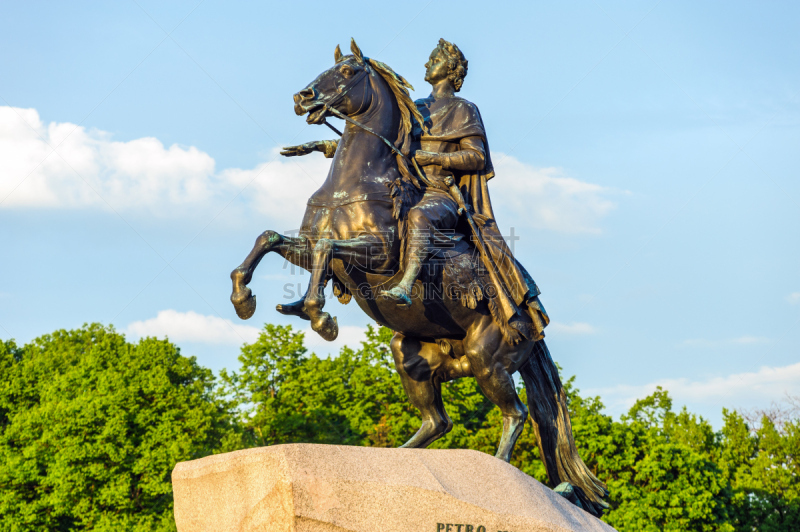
(404, 226)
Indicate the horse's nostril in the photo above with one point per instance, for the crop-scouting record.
(305, 94)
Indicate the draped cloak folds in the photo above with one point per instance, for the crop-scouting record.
(448, 120)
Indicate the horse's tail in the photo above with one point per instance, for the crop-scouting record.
(548, 408)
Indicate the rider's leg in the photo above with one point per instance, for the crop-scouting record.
(434, 212)
(417, 250)
(417, 364)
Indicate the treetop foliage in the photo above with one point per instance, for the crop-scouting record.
(91, 426)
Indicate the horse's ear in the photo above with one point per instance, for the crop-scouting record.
(337, 54)
(356, 50)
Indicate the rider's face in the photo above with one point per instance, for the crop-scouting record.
(436, 68)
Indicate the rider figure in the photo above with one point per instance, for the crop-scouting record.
(453, 145)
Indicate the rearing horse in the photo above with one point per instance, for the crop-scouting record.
(350, 235)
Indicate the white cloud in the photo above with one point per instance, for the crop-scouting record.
(193, 327)
(793, 298)
(544, 198)
(571, 328)
(90, 170)
(138, 173)
(768, 383)
(280, 188)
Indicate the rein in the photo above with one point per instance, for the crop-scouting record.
(391, 145)
(486, 257)
(328, 107)
(350, 85)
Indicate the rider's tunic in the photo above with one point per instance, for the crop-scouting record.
(455, 130)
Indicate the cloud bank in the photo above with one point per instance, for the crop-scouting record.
(65, 166)
(760, 386)
(88, 169)
(576, 328)
(545, 198)
(192, 327)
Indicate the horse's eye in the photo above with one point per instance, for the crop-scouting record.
(347, 71)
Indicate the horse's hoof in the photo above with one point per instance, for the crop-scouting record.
(326, 326)
(293, 309)
(244, 302)
(428, 433)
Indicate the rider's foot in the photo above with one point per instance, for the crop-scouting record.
(398, 295)
(293, 309)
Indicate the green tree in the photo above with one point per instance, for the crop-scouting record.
(91, 427)
(284, 395)
(763, 468)
(665, 470)
(354, 398)
(660, 471)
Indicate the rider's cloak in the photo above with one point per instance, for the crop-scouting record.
(450, 120)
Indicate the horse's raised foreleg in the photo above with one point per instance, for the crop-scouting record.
(293, 249)
(354, 252)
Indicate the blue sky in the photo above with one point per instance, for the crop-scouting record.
(647, 155)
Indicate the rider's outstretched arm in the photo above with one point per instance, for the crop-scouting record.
(327, 147)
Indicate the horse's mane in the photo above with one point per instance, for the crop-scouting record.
(408, 109)
(406, 190)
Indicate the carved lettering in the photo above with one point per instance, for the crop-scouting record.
(455, 527)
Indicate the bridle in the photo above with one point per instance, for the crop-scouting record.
(329, 107)
(350, 84)
(486, 258)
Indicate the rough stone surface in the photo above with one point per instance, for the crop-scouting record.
(327, 488)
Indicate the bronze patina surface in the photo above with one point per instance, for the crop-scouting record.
(404, 226)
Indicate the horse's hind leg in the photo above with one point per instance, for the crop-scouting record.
(491, 358)
(420, 365)
(294, 249)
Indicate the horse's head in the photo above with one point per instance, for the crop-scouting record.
(344, 87)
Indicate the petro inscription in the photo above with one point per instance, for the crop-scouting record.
(450, 527)
(454, 527)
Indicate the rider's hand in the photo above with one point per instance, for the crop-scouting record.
(424, 158)
(302, 149)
